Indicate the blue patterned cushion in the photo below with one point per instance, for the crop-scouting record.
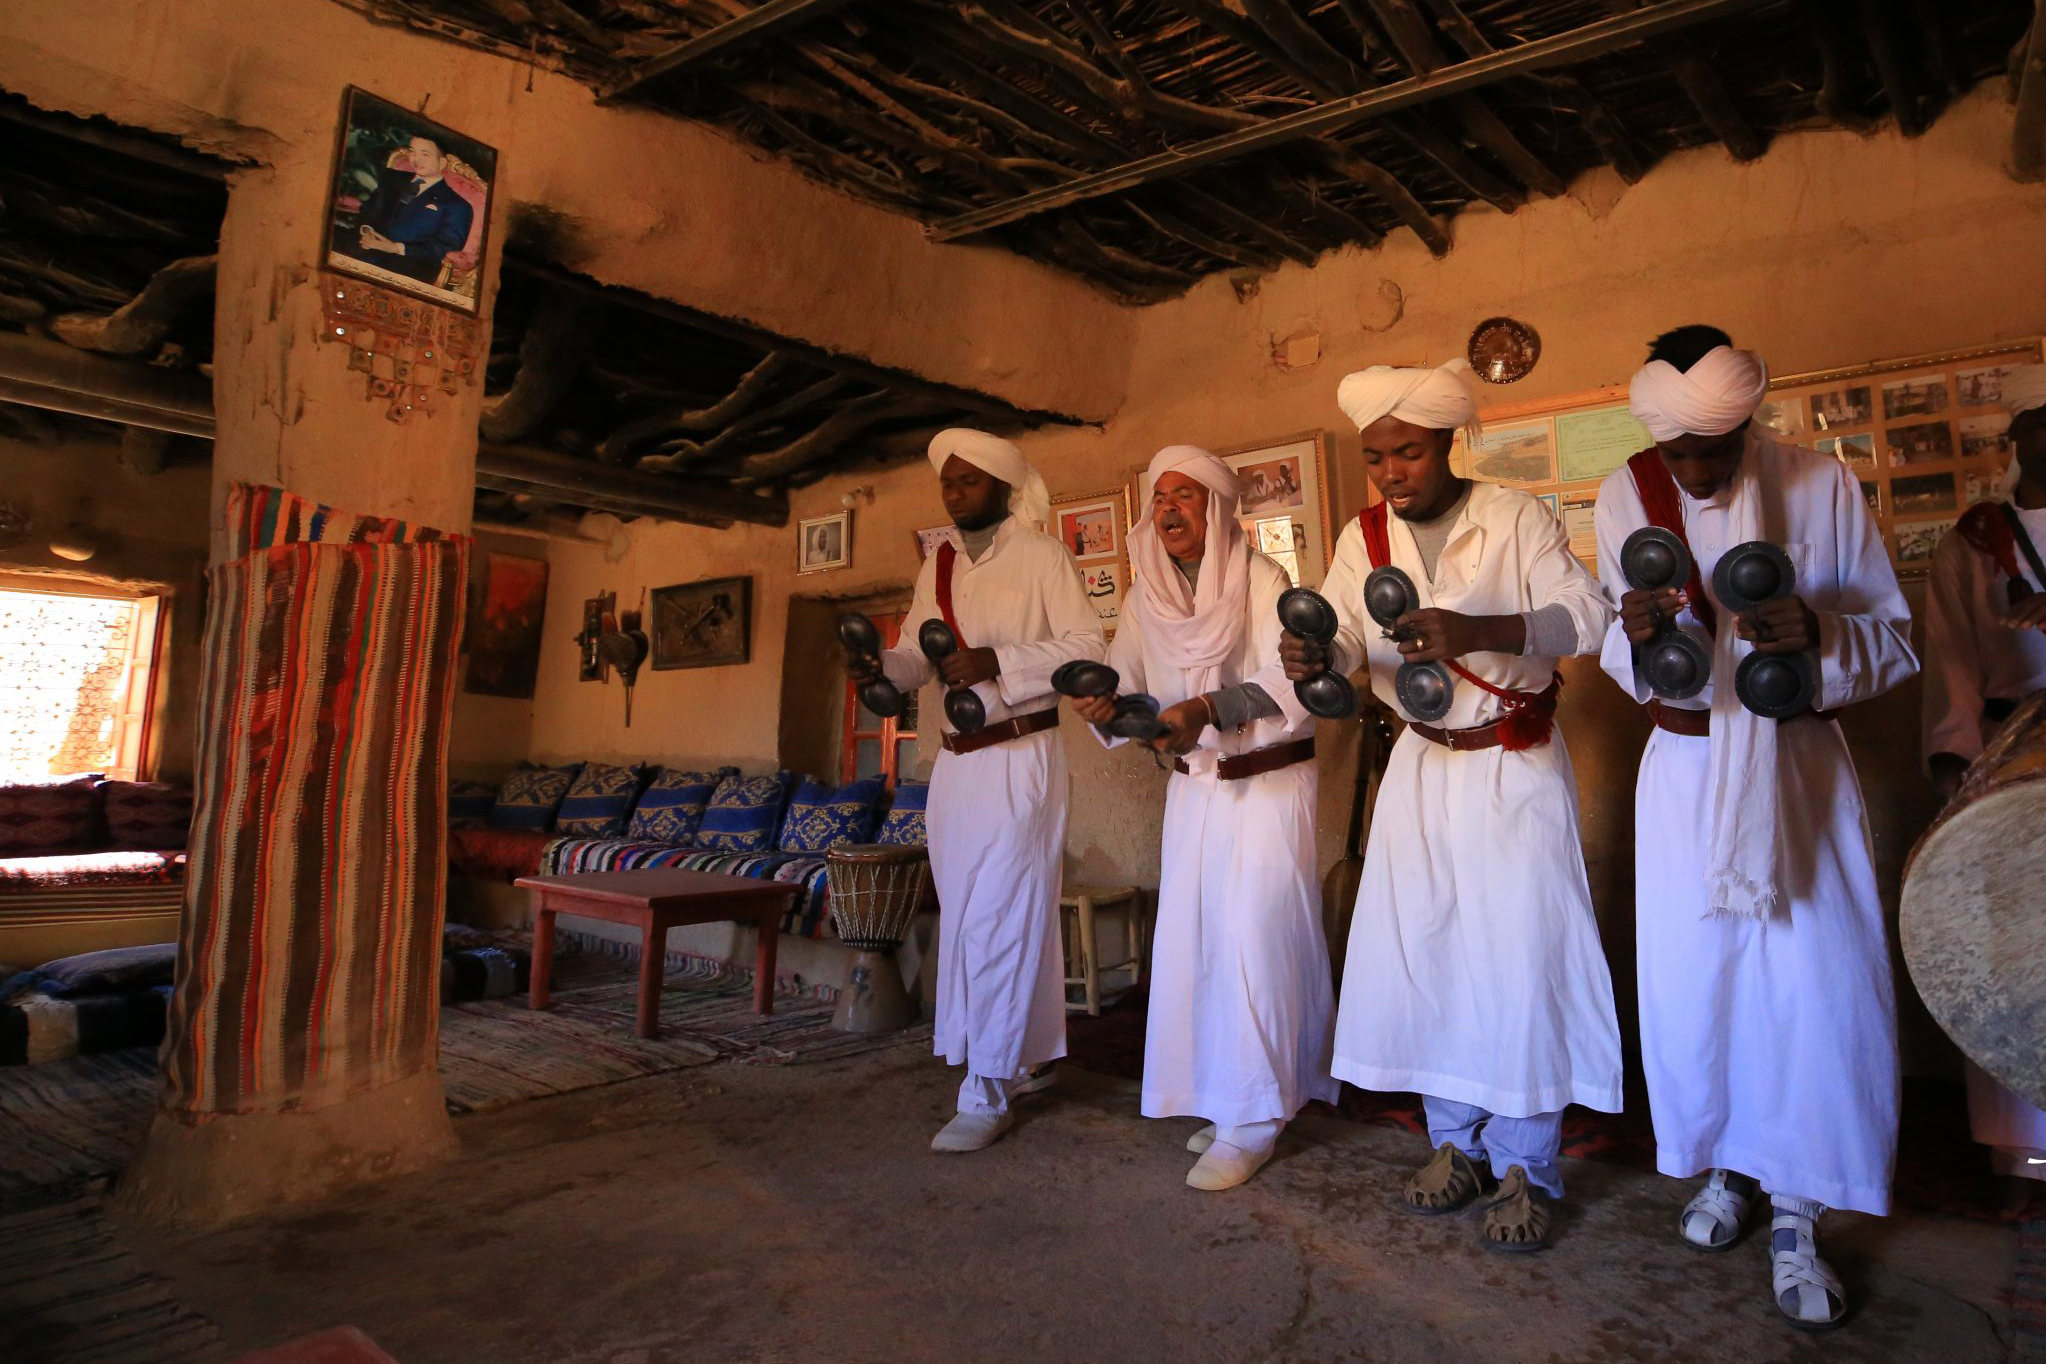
(529, 797)
(469, 804)
(670, 809)
(597, 804)
(821, 818)
(743, 814)
(905, 821)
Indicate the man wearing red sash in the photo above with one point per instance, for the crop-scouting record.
(1768, 1029)
(1475, 975)
(1985, 651)
(997, 814)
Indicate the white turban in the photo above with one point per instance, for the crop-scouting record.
(2024, 388)
(1029, 502)
(1440, 399)
(1711, 398)
(1196, 631)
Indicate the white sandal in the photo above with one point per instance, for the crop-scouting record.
(1716, 1218)
(1806, 1291)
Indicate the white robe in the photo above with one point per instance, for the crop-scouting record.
(1771, 1046)
(1475, 972)
(1240, 995)
(997, 817)
(1970, 659)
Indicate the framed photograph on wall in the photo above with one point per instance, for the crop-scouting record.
(1287, 479)
(1094, 528)
(702, 625)
(824, 542)
(504, 628)
(408, 205)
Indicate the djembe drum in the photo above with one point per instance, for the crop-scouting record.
(877, 890)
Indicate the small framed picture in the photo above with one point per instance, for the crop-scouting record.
(824, 542)
(927, 541)
(702, 625)
(1094, 528)
(408, 206)
(1286, 480)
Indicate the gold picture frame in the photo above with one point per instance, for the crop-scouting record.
(1287, 477)
(1094, 527)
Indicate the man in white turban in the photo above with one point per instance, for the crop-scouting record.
(1475, 976)
(1985, 651)
(997, 813)
(1767, 1019)
(1240, 998)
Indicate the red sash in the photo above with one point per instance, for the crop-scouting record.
(1988, 532)
(946, 554)
(1658, 493)
(1530, 715)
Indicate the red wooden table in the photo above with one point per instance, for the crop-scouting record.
(656, 900)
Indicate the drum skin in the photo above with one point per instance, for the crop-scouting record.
(1973, 921)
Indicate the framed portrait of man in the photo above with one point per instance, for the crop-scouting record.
(408, 206)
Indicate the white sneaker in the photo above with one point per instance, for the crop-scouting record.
(1223, 1166)
(973, 1131)
(1201, 1140)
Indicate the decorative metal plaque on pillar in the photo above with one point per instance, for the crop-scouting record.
(412, 354)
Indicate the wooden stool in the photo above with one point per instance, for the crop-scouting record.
(1084, 901)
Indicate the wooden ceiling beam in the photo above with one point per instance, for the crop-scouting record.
(1576, 45)
(2028, 124)
(765, 21)
(688, 498)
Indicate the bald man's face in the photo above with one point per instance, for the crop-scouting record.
(1179, 513)
(1409, 465)
(974, 498)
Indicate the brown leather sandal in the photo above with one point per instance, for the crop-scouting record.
(1517, 1221)
(1446, 1184)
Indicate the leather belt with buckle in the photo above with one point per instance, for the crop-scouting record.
(1002, 731)
(1257, 762)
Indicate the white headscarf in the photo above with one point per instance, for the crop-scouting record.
(1195, 631)
(1028, 500)
(1711, 398)
(1440, 399)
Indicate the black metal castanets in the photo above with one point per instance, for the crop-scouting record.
(1306, 613)
(1774, 686)
(963, 707)
(1424, 690)
(1676, 662)
(862, 637)
(1136, 715)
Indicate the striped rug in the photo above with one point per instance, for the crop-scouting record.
(70, 1295)
(79, 1119)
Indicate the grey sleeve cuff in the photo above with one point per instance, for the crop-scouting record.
(1239, 705)
(1551, 633)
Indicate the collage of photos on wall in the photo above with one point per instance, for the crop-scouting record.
(1926, 437)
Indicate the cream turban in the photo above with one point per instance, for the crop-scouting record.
(2024, 388)
(1029, 502)
(1441, 398)
(1711, 398)
(1199, 630)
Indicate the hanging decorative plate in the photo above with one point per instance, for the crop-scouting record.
(14, 525)
(1502, 350)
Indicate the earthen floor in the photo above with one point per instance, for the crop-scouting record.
(757, 1213)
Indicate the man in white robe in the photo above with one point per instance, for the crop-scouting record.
(1475, 975)
(1240, 999)
(1768, 1028)
(1985, 650)
(997, 812)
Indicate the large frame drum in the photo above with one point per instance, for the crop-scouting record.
(877, 890)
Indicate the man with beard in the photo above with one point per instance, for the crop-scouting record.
(997, 812)
(1238, 1031)
(1475, 976)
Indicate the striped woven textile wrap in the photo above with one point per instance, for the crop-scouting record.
(309, 954)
